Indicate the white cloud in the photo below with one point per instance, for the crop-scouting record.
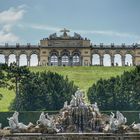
(12, 15)
(8, 37)
(45, 27)
(108, 33)
(8, 19)
(95, 32)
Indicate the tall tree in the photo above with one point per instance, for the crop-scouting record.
(15, 75)
(43, 91)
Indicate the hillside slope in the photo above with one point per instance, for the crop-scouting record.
(83, 77)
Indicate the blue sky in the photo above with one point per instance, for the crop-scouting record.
(102, 21)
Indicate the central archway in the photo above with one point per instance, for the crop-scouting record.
(65, 60)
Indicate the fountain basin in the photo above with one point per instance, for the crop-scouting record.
(72, 136)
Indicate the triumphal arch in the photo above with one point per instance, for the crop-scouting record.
(67, 50)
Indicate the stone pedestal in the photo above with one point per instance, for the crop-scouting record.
(72, 136)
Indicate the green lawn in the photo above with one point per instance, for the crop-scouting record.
(83, 77)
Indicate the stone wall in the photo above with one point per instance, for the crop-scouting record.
(73, 136)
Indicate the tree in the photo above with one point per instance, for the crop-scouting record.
(121, 92)
(15, 75)
(43, 91)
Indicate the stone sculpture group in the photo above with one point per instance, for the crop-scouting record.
(78, 116)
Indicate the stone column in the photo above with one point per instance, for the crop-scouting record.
(123, 60)
(17, 60)
(49, 61)
(101, 60)
(70, 61)
(112, 60)
(81, 61)
(38, 61)
(28, 61)
(59, 60)
(6, 59)
(133, 61)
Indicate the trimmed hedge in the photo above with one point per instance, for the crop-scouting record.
(33, 116)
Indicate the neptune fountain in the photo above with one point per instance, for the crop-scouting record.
(75, 118)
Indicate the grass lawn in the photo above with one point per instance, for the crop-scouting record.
(83, 77)
(8, 96)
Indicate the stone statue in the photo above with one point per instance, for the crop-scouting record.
(43, 120)
(77, 36)
(64, 32)
(65, 105)
(117, 122)
(46, 121)
(136, 127)
(120, 119)
(112, 122)
(14, 123)
(53, 36)
(96, 109)
(73, 101)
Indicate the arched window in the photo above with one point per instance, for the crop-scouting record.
(23, 60)
(107, 60)
(2, 58)
(12, 58)
(95, 59)
(65, 60)
(128, 60)
(117, 60)
(76, 59)
(54, 60)
(34, 60)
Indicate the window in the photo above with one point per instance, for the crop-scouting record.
(54, 60)
(76, 59)
(65, 60)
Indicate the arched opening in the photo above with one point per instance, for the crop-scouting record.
(76, 60)
(34, 60)
(95, 59)
(23, 60)
(128, 60)
(107, 60)
(117, 60)
(2, 58)
(12, 58)
(65, 60)
(54, 60)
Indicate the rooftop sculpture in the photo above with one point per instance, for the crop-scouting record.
(65, 35)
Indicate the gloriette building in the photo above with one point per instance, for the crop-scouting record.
(66, 50)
